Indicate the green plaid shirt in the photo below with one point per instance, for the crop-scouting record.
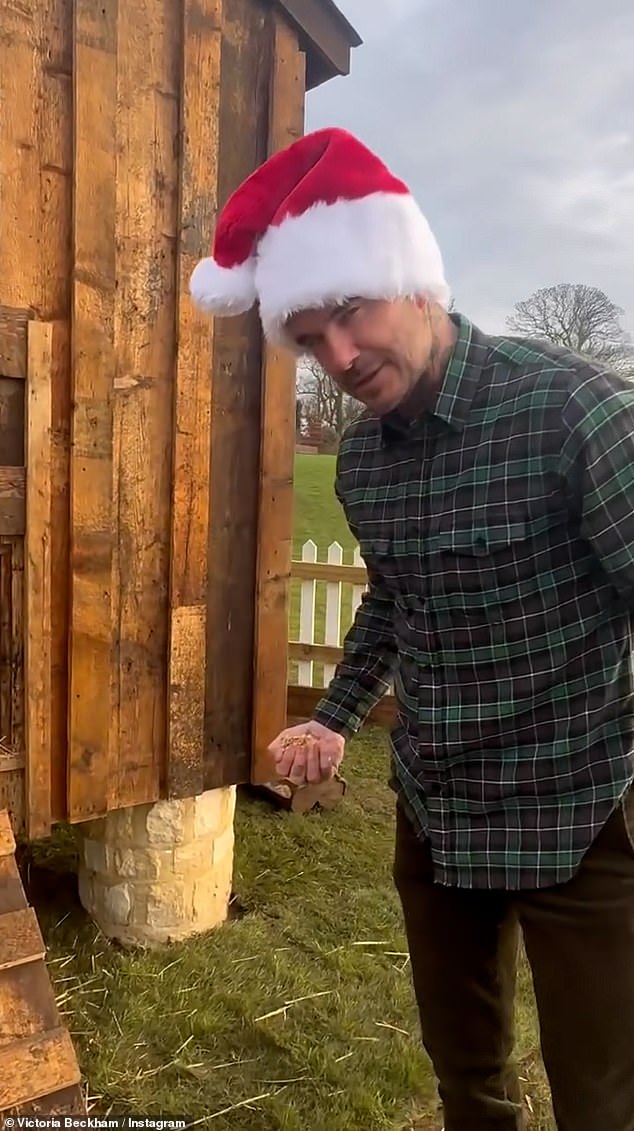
(498, 534)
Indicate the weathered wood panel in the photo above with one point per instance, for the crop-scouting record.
(92, 713)
(35, 261)
(147, 124)
(236, 407)
(275, 520)
(200, 109)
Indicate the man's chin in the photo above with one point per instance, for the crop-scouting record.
(384, 402)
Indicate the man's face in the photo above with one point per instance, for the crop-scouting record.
(374, 350)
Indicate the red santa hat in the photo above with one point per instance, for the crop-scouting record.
(321, 221)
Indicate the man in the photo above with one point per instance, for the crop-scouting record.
(491, 488)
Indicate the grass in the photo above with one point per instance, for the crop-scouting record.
(297, 1014)
(318, 515)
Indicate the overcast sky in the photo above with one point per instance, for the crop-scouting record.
(513, 123)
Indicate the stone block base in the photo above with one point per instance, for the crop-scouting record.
(159, 873)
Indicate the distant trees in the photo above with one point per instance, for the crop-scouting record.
(580, 318)
(321, 402)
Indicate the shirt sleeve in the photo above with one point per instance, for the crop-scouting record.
(369, 658)
(598, 462)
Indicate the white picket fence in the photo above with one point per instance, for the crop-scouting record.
(325, 597)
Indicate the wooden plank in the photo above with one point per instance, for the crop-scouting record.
(38, 588)
(12, 896)
(37, 1066)
(21, 189)
(186, 701)
(20, 938)
(13, 324)
(303, 700)
(148, 76)
(59, 569)
(34, 158)
(67, 1101)
(236, 420)
(10, 761)
(322, 571)
(200, 110)
(27, 1003)
(53, 22)
(321, 653)
(275, 508)
(12, 502)
(91, 505)
(7, 839)
(39, 1073)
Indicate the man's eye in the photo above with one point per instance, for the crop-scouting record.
(348, 312)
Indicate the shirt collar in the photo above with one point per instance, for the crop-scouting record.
(459, 384)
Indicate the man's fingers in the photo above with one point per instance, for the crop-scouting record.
(284, 760)
(327, 765)
(301, 756)
(297, 772)
(313, 764)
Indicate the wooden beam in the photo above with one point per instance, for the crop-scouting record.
(145, 232)
(236, 419)
(327, 31)
(323, 571)
(187, 648)
(91, 708)
(275, 512)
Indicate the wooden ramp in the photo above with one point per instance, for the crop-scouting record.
(39, 1073)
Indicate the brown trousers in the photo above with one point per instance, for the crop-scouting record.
(579, 939)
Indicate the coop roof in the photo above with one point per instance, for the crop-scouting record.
(325, 35)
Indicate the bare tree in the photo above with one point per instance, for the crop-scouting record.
(323, 401)
(579, 318)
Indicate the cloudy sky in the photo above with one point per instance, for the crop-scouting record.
(513, 123)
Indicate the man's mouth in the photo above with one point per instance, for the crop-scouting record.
(361, 384)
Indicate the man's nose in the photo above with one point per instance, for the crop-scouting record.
(343, 351)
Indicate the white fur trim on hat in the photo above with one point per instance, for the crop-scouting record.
(223, 290)
(379, 246)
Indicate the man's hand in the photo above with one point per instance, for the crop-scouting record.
(307, 753)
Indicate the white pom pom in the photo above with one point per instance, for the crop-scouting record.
(223, 290)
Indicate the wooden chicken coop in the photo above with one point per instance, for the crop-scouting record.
(145, 455)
